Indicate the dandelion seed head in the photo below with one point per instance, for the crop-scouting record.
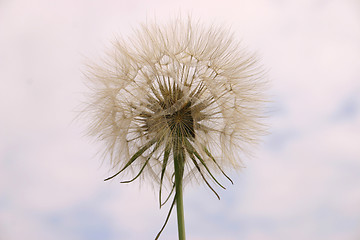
(181, 80)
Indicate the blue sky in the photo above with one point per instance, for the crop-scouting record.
(302, 183)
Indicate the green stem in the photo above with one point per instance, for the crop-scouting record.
(179, 160)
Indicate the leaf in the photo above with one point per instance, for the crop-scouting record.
(191, 148)
(172, 190)
(202, 175)
(133, 158)
(146, 162)
(163, 168)
(210, 156)
(167, 219)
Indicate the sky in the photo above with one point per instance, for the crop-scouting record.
(303, 181)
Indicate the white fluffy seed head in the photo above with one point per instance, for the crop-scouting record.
(179, 80)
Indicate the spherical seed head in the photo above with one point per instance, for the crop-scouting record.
(181, 82)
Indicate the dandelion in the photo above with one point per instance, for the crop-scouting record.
(176, 102)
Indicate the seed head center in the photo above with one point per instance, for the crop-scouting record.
(182, 122)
